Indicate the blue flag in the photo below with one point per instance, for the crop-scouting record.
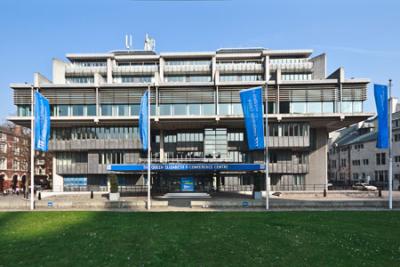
(382, 109)
(252, 106)
(143, 120)
(42, 122)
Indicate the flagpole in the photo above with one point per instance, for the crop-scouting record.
(390, 147)
(148, 149)
(32, 150)
(266, 150)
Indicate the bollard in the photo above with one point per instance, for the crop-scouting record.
(324, 192)
(91, 194)
(380, 192)
(40, 196)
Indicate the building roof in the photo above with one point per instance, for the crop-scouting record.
(368, 137)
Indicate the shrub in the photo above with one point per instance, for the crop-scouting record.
(113, 183)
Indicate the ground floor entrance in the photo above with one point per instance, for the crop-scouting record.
(182, 182)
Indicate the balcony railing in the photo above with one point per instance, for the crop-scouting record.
(300, 66)
(135, 69)
(75, 69)
(242, 68)
(187, 69)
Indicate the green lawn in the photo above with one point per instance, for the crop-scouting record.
(200, 239)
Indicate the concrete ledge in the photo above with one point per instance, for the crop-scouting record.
(97, 204)
(295, 204)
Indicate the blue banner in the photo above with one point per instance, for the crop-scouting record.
(188, 167)
(187, 184)
(382, 109)
(42, 122)
(252, 106)
(144, 120)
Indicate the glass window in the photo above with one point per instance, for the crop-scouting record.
(165, 109)
(208, 109)
(314, 107)
(224, 109)
(179, 109)
(91, 110)
(123, 110)
(106, 110)
(194, 109)
(271, 107)
(357, 106)
(237, 109)
(298, 107)
(63, 110)
(327, 107)
(77, 110)
(135, 110)
(346, 107)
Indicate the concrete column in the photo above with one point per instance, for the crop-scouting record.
(318, 159)
(278, 81)
(213, 68)
(161, 146)
(110, 63)
(58, 181)
(58, 71)
(162, 63)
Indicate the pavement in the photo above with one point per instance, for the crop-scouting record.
(219, 202)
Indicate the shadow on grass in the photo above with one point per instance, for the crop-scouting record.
(199, 239)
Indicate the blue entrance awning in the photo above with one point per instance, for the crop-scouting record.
(187, 167)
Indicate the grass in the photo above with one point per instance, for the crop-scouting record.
(200, 239)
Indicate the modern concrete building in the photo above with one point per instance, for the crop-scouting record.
(353, 156)
(196, 116)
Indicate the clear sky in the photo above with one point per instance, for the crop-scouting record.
(362, 36)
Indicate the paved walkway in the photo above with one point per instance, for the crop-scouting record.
(219, 202)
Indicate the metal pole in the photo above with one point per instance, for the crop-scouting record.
(266, 149)
(32, 150)
(390, 147)
(148, 150)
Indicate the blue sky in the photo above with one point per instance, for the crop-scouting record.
(362, 36)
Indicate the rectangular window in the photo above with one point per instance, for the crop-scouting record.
(357, 106)
(180, 109)
(194, 109)
(327, 107)
(314, 107)
(298, 107)
(135, 109)
(165, 109)
(123, 110)
(224, 109)
(91, 110)
(347, 107)
(237, 109)
(106, 110)
(208, 109)
(77, 110)
(63, 110)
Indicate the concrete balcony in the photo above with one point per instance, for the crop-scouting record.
(295, 67)
(80, 70)
(240, 68)
(74, 168)
(287, 167)
(137, 69)
(187, 69)
(288, 141)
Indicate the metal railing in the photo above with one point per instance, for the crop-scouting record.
(85, 188)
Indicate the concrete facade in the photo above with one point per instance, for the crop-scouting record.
(196, 115)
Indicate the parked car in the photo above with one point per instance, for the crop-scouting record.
(364, 187)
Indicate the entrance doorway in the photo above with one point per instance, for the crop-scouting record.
(183, 183)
